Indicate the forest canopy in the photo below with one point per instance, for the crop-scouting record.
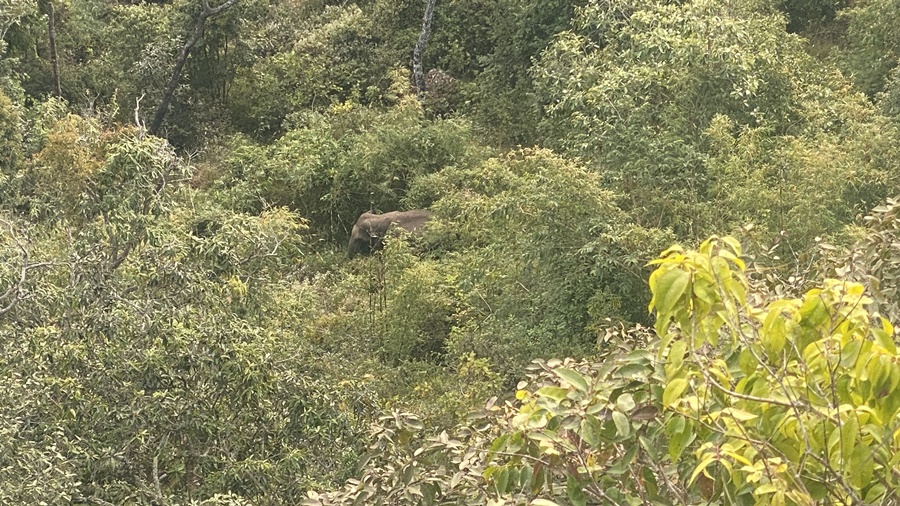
(660, 265)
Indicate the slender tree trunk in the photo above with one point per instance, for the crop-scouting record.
(206, 14)
(418, 72)
(54, 59)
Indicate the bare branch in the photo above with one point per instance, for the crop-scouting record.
(212, 12)
(15, 292)
(195, 37)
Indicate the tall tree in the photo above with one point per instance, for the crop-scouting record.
(51, 37)
(206, 13)
(418, 72)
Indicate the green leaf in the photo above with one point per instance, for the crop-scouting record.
(875, 494)
(734, 243)
(849, 435)
(501, 480)
(884, 337)
(680, 432)
(739, 414)
(573, 378)
(673, 391)
(575, 492)
(700, 467)
(670, 286)
(766, 488)
(850, 353)
(625, 403)
(622, 465)
(862, 467)
(590, 430)
(499, 443)
(543, 502)
(676, 358)
(747, 362)
(623, 426)
(705, 291)
(774, 334)
(558, 394)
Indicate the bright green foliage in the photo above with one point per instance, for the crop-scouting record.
(644, 91)
(807, 185)
(584, 433)
(798, 402)
(744, 399)
(402, 468)
(418, 305)
(143, 355)
(61, 172)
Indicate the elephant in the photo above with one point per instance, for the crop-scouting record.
(370, 229)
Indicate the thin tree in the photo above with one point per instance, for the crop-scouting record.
(206, 14)
(418, 72)
(54, 57)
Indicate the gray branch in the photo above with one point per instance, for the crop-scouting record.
(195, 37)
(15, 292)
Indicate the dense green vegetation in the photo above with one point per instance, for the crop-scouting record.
(180, 324)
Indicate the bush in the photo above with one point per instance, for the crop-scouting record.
(333, 167)
(706, 116)
(534, 254)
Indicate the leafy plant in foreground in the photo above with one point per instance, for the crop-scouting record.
(747, 400)
(788, 401)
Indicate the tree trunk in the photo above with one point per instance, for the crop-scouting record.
(54, 59)
(206, 14)
(418, 72)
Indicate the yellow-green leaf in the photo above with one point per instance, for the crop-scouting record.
(862, 467)
(623, 426)
(670, 286)
(673, 391)
(676, 358)
(700, 467)
(555, 393)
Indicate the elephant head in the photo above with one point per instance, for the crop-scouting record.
(370, 229)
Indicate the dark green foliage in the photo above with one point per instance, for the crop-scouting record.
(333, 59)
(809, 14)
(504, 98)
(873, 43)
(10, 138)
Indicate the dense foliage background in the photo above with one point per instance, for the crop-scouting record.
(179, 323)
